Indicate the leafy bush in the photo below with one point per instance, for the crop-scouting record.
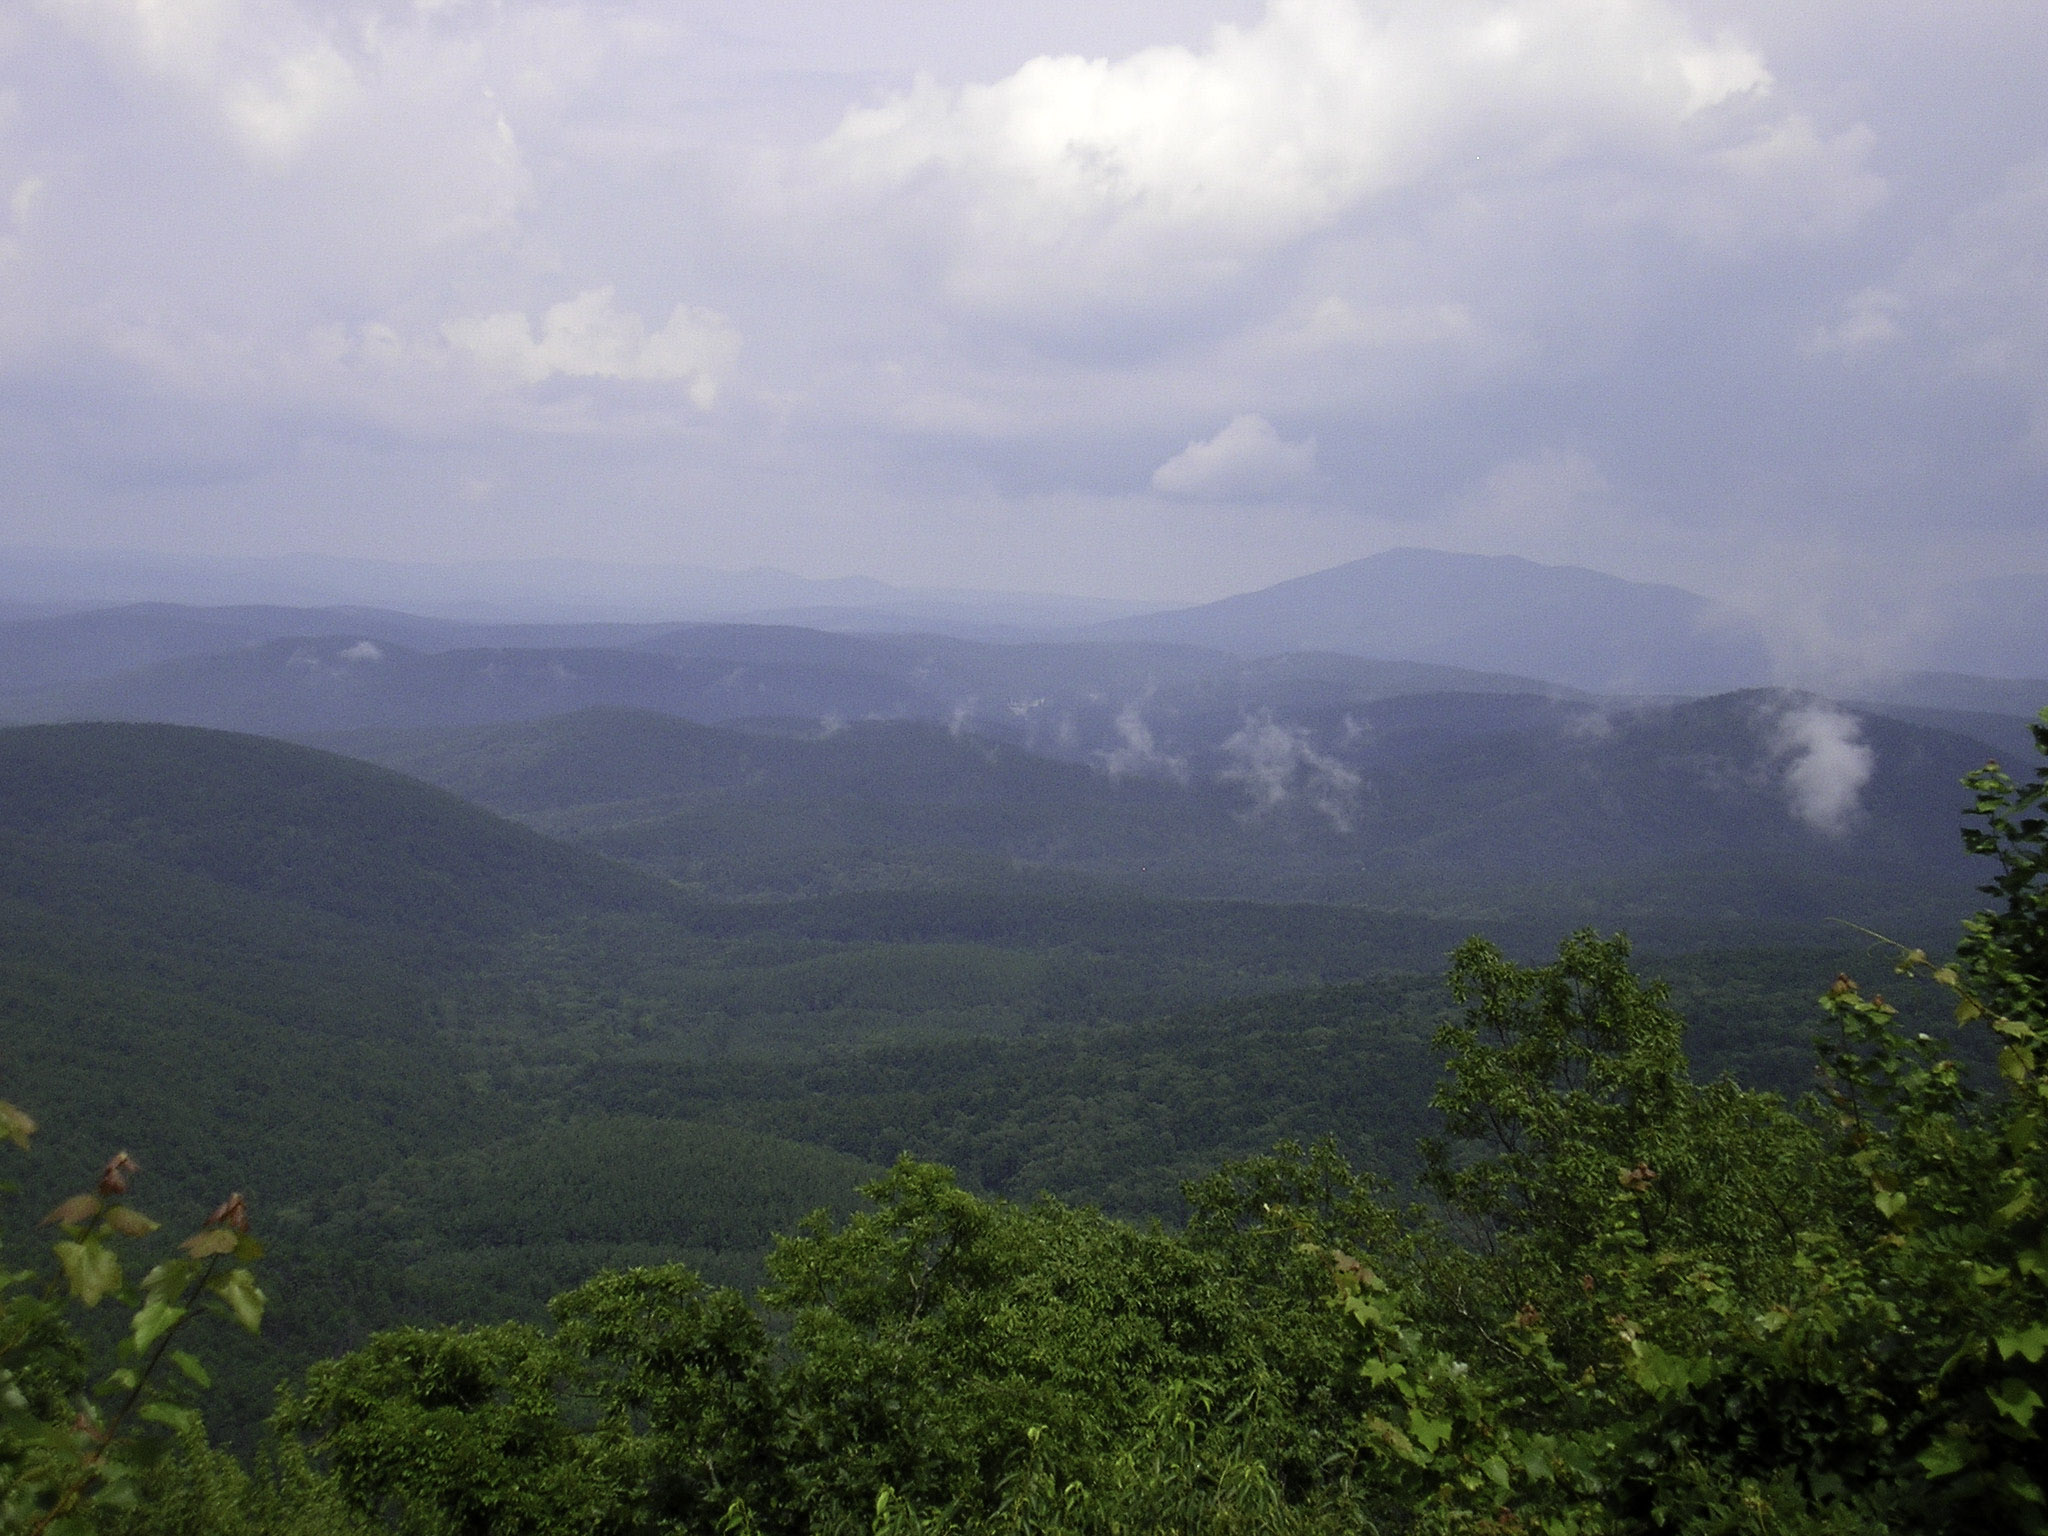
(70, 1447)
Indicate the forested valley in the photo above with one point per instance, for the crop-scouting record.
(1311, 1095)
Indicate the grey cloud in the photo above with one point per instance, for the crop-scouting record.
(1625, 284)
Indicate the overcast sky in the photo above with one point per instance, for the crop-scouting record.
(1149, 299)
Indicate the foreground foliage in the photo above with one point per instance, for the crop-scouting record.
(1631, 1303)
(71, 1446)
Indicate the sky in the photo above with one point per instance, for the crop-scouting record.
(1153, 300)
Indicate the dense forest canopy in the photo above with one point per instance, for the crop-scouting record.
(1610, 1294)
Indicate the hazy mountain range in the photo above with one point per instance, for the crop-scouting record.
(457, 1065)
(1243, 749)
(525, 591)
(295, 671)
(1412, 614)
(1570, 626)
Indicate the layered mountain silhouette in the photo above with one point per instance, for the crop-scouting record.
(1064, 698)
(1408, 621)
(1490, 612)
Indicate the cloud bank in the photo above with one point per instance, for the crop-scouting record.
(1177, 165)
(1163, 301)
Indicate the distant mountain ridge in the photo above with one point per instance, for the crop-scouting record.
(520, 591)
(397, 861)
(1488, 612)
(1568, 625)
(1071, 699)
(51, 650)
(1097, 694)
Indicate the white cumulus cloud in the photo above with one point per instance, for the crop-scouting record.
(1174, 166)
(1246, 461)
(589, 337)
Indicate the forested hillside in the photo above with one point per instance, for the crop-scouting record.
(264, 967)
(1687, 823)
(1635, 1297)
(260, 966)
(520, 1003)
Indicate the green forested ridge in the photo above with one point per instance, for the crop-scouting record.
(403, 863)
(273, 969)
(1522, 810)
(1121, 1114)
(449, 1111)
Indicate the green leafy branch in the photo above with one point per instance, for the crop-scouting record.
(59, 1449)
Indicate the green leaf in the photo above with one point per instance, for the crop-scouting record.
(1428, 1433)
(157, 1318)
(1662, 1374)
(214, 1240)
(169, 1277)
(2030, 1342)
(1945, 1457)
(75, 1212)
(16, 1126)
(118, 1491)
(2015, 1399)
(1889, 1202)
(1401, 1444)
(1496, 1469)
(129, 1222)
(238, 1289)
(188, 1362)
(182, 1419)
(91, 1269)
